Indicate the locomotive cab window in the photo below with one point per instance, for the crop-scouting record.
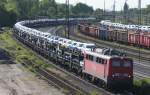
(127, 63)
(116, 63)
(81, 45)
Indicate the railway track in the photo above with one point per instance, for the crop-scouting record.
(130, 52)
(57, 81)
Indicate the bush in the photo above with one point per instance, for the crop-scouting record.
(94, 93)
(142, 87)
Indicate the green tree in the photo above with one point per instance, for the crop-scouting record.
(61, 10)
(82, 10)
(27, 8)
(7, 13)
(98, 13)
(2, 4)
(47, 8)
(148, 9)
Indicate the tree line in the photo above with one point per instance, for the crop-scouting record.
(15, 10)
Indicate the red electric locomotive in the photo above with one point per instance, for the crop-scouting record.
(111, 70)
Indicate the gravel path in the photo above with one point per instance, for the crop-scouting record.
(16, 80)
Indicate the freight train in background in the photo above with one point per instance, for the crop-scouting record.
(107, 67)
(137, 35)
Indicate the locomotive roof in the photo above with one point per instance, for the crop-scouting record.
(100, 55)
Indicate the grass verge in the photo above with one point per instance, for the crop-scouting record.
(17, 51)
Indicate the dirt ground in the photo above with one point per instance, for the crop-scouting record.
(16, 80)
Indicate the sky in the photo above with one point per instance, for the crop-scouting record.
(109, 3)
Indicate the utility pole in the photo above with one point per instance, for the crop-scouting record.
(67, 34)
(104, 11)
(56, 8)
(139, 8)
(56, 13)
(126, 8)
(145, 19)
(114, 9)
(139, 23)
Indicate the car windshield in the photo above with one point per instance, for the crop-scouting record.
(70, 42)
(116, 63)
(60, 39)
(52, 37)
(56, 38)
(49, 36)
(74, 44)
(81, 45)
(90, 46)
(127, 63)
(65, 41)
